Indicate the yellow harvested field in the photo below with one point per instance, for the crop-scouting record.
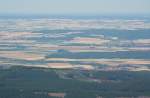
(85, 67)
(69, 66)
(106, 61)
(138, 62)
(58, 95)
(20, 41)
(142, 41)
(12, 35)
(21, 55)
(115, 62)
(60, 65)
(86, 40)
(86, 48)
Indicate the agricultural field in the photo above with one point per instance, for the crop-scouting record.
(74, 58)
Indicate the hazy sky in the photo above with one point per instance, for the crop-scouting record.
(75, 6)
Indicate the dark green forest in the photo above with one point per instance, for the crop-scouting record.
(23, 82)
